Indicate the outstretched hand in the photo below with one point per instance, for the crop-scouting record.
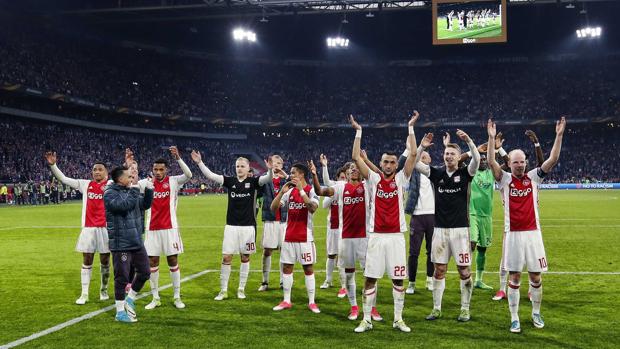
(427, 141)
(462, 135)
(560, 126)
(354, 123)
(311, 167)
(414, 118)
(175, 152)
(491, 128)
(196, 157)
(50, 157)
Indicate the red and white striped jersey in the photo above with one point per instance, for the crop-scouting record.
(520, 198)
(353, 204)
(299, 226)
(387, 212)
(163, 212)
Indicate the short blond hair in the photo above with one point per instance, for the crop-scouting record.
(241, 158)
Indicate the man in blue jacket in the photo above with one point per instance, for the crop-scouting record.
(123, 206)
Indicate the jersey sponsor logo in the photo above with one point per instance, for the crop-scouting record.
(93, 196)
(386, 195)
(448, 191)
(296, 206)
(353, 201)
(520, 192)
(161, 194)
(240, 195)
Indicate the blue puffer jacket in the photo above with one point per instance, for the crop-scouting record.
(269, 194)
(123, 213)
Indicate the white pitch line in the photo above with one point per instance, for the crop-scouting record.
(91, 315)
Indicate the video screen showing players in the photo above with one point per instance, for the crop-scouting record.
(469, 22)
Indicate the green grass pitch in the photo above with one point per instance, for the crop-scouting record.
(491, 30)
(40, 280)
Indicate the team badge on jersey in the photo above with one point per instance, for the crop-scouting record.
(247, 186)
(526, 182)
(359, 190)
(457, 179)
(392, 185)
(166, 185)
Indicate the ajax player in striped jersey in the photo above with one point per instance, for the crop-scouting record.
(333, 237)
(94, 234)
(162, 229)
(352, 202)
(386, 224)
(523, 244)
(298, 245)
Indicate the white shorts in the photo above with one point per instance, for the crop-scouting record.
(239, 240)
(386, 253)
(333, 237)
(93, 240)
(302, 252)
(524, 248)
(451, 242)
(167, 241)
(273, 234)
(352, 250)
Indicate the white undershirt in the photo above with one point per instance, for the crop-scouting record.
(426, 200)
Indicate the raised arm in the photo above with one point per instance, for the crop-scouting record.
(51, 158)
(372, 166)
(540, 157)
(267, 177)
(197, 158)
(411, 144)
(187, 174)
(472, 168)
(554, 156)
(361, 165)
(325, 173)
(421, 167)
(493, 165)
(320, 191)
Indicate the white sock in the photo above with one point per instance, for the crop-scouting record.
(87, 271)
(536, 291)
(224, 276)
(310, 287)
(439, 285)
(244, 271)
(266, 268)
(287, 286)
(368, 302)
(398, 292)
(175, 275)
(343, 278)
(105, 276)
(351, 288)
(503, 278)
(513, 301)
(329, 267)
(466, 289)
(154, 281)
(120, 306)
(132, 294)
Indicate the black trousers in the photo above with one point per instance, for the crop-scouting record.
(422, 227)
(124, 262)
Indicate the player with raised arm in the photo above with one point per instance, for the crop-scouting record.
(451, 233)
(274, 223)
(94, 234)
(162, 228)
(239, 232)
(523, 244)
(540, 158)
(298, 245)
(333, 229)
(386, 225)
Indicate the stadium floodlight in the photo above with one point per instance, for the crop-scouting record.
(589, 32)
(240, 34)
(337, 42)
